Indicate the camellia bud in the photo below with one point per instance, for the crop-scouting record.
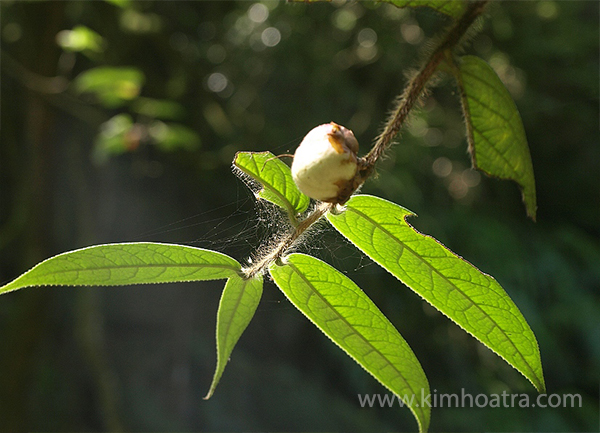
(325, 164)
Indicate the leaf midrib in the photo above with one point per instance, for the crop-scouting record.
(290, 206)
(452, 285)
(237, 305)
(467, 97)
(119, 267)
(361, 336)
(31, 279)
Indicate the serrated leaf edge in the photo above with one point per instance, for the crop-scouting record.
(290, 208)
(412, 408)
(6, 288)
(541, 387)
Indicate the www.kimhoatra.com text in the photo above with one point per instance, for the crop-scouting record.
(465, 399)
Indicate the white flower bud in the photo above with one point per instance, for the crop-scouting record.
(325, 163)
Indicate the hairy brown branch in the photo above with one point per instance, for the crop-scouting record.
(367, 164)
(415, 87)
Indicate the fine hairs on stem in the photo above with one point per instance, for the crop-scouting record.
(288, 240)
(406, 103)
(415, 87)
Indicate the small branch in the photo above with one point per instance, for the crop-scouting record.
(414, 89)
(288, 240)
(367, 164)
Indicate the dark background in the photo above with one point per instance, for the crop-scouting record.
(149, 160)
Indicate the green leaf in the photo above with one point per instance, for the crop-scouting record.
(276, 178)
(79, 39)
(113, 86)
(495, 132)
(344, 313)
(127, 263)
(237, 307)
(453, 8)
(472, 299)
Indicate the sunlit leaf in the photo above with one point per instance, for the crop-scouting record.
(453, 8)
(237, 307)
(113, 86)
(344, 313)
(276, 179)
(81, 38)
(497, 140)
(472, 299)
(127, 263)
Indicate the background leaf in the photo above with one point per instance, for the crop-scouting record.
(276, 178)
(472, 299)
(158, 108)
(237, 307)
(344, 313)
(172, 136)
(497, 140)
(113, 137)
(113, 86)
(127, 263)
(447, 7)
(81, 38)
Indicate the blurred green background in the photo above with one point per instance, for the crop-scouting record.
(120, 120)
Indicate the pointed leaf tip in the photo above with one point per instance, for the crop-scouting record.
(127, 263)
(345, 314)
(472, 299)
(238, 304)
